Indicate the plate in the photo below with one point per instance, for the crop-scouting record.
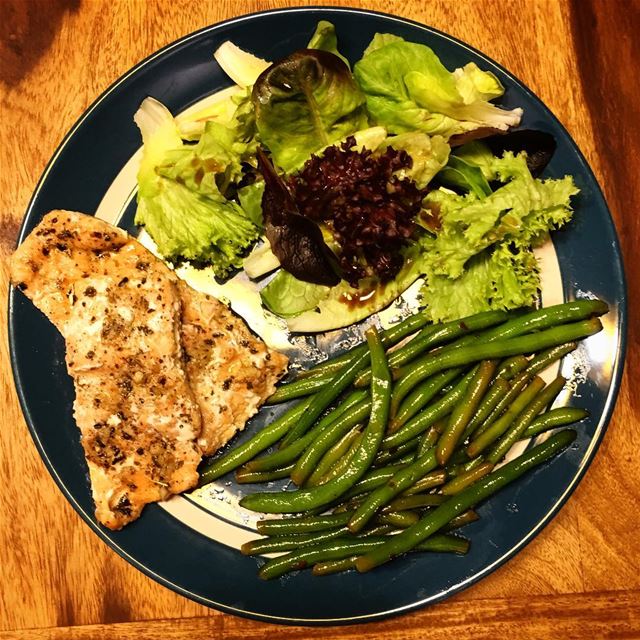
(190, 544)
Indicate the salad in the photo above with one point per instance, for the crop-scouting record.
(336, 188)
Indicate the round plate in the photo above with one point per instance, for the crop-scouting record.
(213, 573)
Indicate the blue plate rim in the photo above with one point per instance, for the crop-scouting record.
(617, 372)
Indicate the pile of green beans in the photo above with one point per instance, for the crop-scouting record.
(391, 446)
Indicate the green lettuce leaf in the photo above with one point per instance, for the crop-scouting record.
(429, 155)
(305, 102)
(179, 193)
(524, 209)
(325, 38)
(310, 308)
(482, 257)
(407, 88)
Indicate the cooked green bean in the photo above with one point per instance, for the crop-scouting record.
(464, 410)
(381, 496)
(337, 549)
(431, 480)
(502, 424)
(262, 546)
(333, 454)
(298, 525)
(244, 476)
(262, 440)
(538, 404)
(325, 397)
(430, 437)
(304, 386)
(467, 478)
(438, 334)
(463, 519)
(442, 515)
(316, 448)
(454, 470)
(554, 418)
(549, 317)
(427, 417)
(292, 452)
(422, 395)
(509, 367)
(373, 479)
(333, 566)
(546, 358)
(341, 465)
(305, 499)
(400, 519)
(416, 501)
(391, 455)
(389, 337)
(431, 364)
(499, 388)
(504, 402)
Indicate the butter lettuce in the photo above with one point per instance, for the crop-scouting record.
(407, 88)
(325, 38)
(429, 155)
(310, 308)
(305, 102)
(180, 192)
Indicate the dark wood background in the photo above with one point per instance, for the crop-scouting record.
(579, 579)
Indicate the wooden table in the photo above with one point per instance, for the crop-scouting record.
(579, 579)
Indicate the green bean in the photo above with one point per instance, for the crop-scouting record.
(462, 467)
(243, 476)
(549, 317)
(389, 337)
(553, 419)
(302, 387)
(400, 519)
(464, 410)
(305, 499)
(381, 496)
(538, 404)
(442, 515)
(314, 450)
(467, 478)
(463, 519)
(502, 424)
(333, 454)
(499, 388)
(261, 441)
(292, 452)
(325, 397)
(333, 566)
(378, 530)
(546, 358)
(427, 417)
(440, 544)
(262, 546)
(337, 549)
(391, 455)
(430, 437)
(422, 395)
(511, 366)
(373, 479)
(299, 525)
(505, 401)
(431, 364)
(331, 366)
(416, 501)
(431, 480)
(341, 465)
(438, 335)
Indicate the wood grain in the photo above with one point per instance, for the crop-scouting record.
(579, 579)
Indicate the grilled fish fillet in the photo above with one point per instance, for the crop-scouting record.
(119, 309)
(230, 371)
